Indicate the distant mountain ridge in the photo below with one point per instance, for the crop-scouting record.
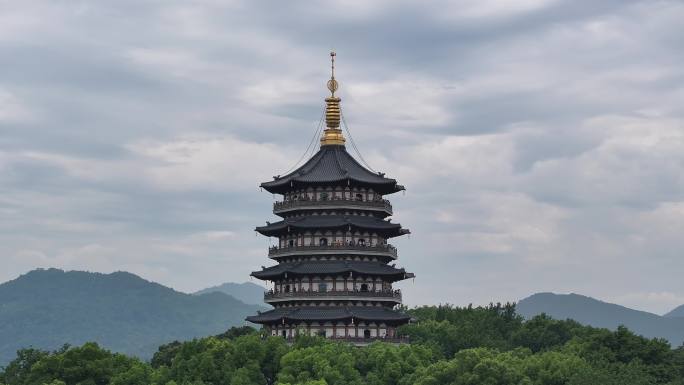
(120, 311)
(590, 311)
(676, 312)
(246, 292)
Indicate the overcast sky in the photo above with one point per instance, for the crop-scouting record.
(541, 142)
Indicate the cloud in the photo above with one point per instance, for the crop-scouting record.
(11, 108)
(209, 163)
(541, 141)
(662, 302)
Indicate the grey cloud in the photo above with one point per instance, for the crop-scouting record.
(540, 147)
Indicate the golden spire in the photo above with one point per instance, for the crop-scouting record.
(332, 134)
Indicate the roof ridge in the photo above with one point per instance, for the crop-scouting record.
(314, 161)
(366, 169)
(339, 163)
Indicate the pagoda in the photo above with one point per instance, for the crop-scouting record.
(335, 268)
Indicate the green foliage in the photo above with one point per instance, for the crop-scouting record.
(244, 360)
(488, 366)
(450, 329)
(459, 346)
(331, 362)
(235, 332)
(85, 365)
(542, 333)
(18, 370)
(387, 364)
(334, 363)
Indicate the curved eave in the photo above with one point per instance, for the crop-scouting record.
(332, 165)
(283, 185)
(310, 268)
(332, 223)
(306, 314)
(381, 212)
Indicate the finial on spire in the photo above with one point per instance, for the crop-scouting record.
(332, 83)
(332, 134)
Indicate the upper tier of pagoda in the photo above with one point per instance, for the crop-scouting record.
(332, 165)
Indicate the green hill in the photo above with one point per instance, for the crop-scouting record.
(589, 311)
(120, 311)
(246, 292)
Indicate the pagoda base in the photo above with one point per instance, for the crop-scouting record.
(362, 332)
(360, 341)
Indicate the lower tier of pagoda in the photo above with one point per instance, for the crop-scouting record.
(344, 314)
(354, 324)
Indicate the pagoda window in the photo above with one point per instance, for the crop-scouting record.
(287, 288)
(323, 241)
(359, 197)
(324, 196)
(291, 243)
(323, 287)
(364, 287)
(366, 333)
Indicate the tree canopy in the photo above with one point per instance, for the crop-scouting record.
(450, 345)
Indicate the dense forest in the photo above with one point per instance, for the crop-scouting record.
(450, 345)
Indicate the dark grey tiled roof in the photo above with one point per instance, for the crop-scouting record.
(330, 313)
(332, 267)
(332, 164)
(334, 221)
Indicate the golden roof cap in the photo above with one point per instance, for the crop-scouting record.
(332, 135)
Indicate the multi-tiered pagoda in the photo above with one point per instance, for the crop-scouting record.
(335, 268)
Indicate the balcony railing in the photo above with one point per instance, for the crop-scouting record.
(361, 340)
(275, 251)
(383, 294)
(382, 204)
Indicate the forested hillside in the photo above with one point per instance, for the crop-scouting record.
(122, 312)
(484, 345)
(246, 292)
(590, 311)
